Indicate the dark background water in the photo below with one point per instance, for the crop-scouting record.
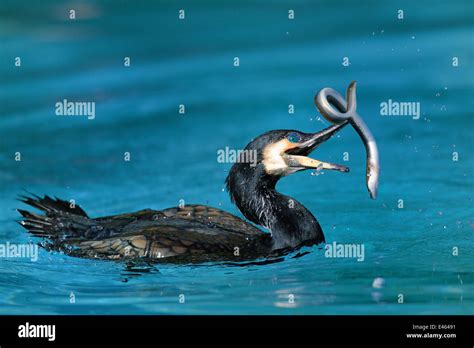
(173, 156)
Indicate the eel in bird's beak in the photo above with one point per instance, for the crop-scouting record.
(296, 154)
(336, 109)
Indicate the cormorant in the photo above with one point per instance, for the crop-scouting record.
(198, 233)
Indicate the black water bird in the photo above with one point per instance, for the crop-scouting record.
(198, 233)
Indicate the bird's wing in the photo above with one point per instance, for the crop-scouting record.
(190, 230)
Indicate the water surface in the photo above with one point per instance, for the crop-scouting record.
(408, 250)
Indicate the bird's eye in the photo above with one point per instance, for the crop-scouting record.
(294, 137)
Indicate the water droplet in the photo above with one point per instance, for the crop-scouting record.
(378, 283)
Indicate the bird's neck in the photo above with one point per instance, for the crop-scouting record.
(289, 222)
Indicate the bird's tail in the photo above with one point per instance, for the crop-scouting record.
(61, 220)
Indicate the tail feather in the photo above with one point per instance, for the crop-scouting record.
(52, 206)
(41, 219)
(61, 221)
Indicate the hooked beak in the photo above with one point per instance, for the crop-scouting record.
(296, 157)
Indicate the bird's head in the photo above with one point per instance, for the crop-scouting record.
(279, 153)
(284, 152)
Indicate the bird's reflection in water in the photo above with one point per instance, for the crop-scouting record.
(135, 268)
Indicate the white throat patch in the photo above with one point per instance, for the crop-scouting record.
(273, 160)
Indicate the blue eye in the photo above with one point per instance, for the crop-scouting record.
(294, 137)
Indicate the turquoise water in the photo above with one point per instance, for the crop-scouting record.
(408, 250)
